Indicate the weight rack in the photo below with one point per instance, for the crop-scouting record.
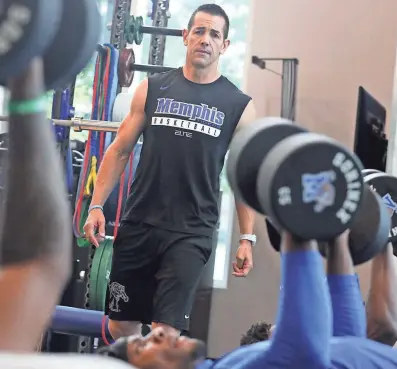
(122, 9)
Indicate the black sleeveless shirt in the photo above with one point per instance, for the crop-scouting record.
(188, 130)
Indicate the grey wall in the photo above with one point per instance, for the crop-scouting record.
(340, 45)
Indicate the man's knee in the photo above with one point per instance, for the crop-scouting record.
(123, 328)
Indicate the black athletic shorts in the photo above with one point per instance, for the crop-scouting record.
(155, 273)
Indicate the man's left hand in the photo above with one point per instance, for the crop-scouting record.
(243, 264)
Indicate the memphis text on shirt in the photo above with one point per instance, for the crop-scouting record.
(189, 117)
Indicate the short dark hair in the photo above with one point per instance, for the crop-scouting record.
(212, 9)
(258, 332)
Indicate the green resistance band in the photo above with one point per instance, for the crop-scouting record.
(26, 107)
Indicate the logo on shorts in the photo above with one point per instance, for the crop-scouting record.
(116, 292)
(390, 204)
(318, 188)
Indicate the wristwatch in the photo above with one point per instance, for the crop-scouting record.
(249, 237)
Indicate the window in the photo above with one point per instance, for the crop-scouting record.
(232, 66)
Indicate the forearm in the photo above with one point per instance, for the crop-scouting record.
(246, 217)
(25, 314)
(347, 304)
(304, 312)
(38, 216)
(36, 244)
(381, 306)
(110, 171)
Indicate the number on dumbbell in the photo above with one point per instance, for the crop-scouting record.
(284, 196)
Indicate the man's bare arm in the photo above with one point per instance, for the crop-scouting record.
(37, 239)
(118, 153)
(381, 306)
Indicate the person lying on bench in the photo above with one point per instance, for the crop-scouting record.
(306, 335)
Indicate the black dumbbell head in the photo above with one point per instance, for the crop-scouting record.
(74, 44)
(370, 230)
(311, 185)
(247, 150)
(35, 23)
(385, 185)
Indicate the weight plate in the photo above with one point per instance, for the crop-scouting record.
(34, 24)
(99, 275)
(96, 262)
(74, 44)
(386, 186)
(121, 106)
(369, 233)
(130, 29)
(311, 186)
(104, 274)
(247, 150)
(124, 70)
(138, 35)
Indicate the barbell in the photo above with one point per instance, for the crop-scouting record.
(308, 184)
(120, 109)
(127, 67)
(135, 29)
(80, 124)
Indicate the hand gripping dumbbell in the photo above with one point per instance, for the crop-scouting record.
(308, 184)
(64, 33)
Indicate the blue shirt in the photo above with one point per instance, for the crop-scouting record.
(318, 326)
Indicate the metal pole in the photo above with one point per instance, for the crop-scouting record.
(151, 30)
(157, 42)
(391, 162)
(288, 88)
(150, 68)
(79, 124)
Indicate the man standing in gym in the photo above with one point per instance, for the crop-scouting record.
(187, 117)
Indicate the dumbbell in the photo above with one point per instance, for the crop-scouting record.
(306, 183)
(64, 33)
(274, 232)
(385, 185)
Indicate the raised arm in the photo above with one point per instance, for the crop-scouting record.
(381, 306)
(37, 234)
(304, 328)
(115, 160)
(347, 304)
